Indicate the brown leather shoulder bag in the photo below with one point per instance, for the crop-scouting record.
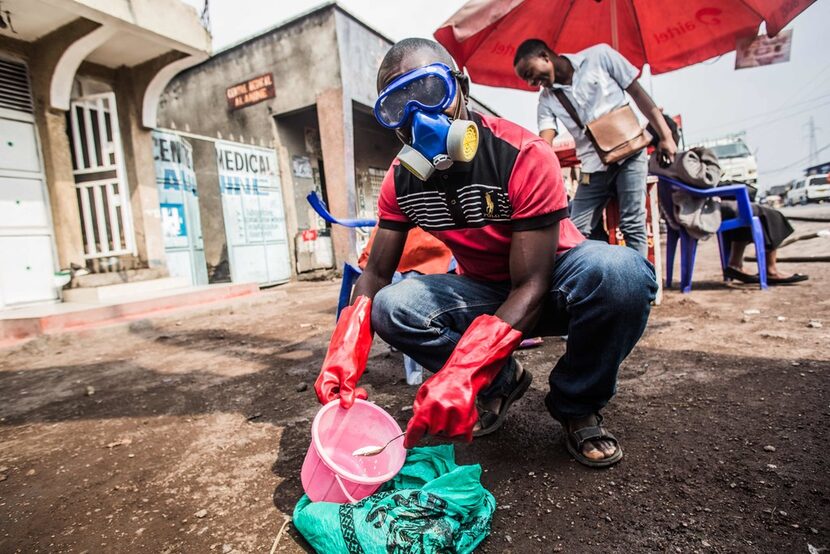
(616, 135)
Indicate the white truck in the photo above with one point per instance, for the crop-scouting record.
(736, 160)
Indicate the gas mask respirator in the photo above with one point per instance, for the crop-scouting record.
(419, 98)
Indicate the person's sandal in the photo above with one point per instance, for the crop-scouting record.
(492, 421)
(574, 440)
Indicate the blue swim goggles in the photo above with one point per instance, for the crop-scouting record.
(430, 89)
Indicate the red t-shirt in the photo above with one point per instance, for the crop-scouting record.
(514, 183)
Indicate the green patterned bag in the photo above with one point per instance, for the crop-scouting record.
(432, 505)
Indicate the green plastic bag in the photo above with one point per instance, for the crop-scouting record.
(432, 505)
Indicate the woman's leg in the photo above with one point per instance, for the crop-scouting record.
(736, 255)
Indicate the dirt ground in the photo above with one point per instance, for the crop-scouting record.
(187, 433)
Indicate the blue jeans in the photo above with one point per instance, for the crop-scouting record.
(600, 297)
(414, 372)
(627, 181)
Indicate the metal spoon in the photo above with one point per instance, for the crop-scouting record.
(373, 450)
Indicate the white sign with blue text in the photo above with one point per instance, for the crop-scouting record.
(254, 213)
(179, 205)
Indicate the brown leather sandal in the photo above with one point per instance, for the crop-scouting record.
(574, 440)
(490, 421)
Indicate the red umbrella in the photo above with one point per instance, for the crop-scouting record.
(666, 34)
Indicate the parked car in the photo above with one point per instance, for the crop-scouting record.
(774, 196)
(813, 188)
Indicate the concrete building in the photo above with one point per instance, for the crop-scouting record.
(79, 87)
(129, 181)
(269, 120)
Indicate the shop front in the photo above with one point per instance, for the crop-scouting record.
(79, 90)
(184, 246)
(297, 100)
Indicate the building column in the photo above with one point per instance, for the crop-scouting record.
(137, 145)
(47, 54)
(60, 182)
(334, 116)
(137, 91)
(290, 205)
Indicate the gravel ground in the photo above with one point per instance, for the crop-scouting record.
(187, 433)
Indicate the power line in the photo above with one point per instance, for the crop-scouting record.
(805, 88)
(764, 123)
(788, 116)
(767, 113)
(801, 160)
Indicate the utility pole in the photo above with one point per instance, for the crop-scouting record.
(812, 148)
(205, 16)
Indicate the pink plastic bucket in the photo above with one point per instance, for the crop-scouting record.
(330, 472)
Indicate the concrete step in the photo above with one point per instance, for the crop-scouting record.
(24, 323)
(107, 293)
(118, 277)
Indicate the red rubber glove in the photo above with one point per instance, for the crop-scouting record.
(347, 355)
(445, 403)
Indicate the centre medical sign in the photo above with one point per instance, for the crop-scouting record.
(251, 91)
(253, 212)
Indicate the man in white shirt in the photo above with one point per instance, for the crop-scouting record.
(595, 80)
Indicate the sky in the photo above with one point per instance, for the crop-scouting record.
(772, 104)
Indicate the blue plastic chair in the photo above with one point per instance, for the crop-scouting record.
(350, 275)
(688, 244)
(350, 272)
(323, 211)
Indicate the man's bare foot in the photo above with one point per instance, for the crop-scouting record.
(775, 274)
(776, 278)
(596, 449)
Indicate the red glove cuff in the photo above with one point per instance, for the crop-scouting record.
(347, 355)
(445, 403)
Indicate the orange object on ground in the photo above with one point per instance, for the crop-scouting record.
(422, 253)
(565, 149)
(612, 223)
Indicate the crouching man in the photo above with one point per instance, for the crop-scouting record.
(493, 193)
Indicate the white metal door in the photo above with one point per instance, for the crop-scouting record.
(27, 255)
(254, 214)
(100, 180)
(27, 262)
(179, 204)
